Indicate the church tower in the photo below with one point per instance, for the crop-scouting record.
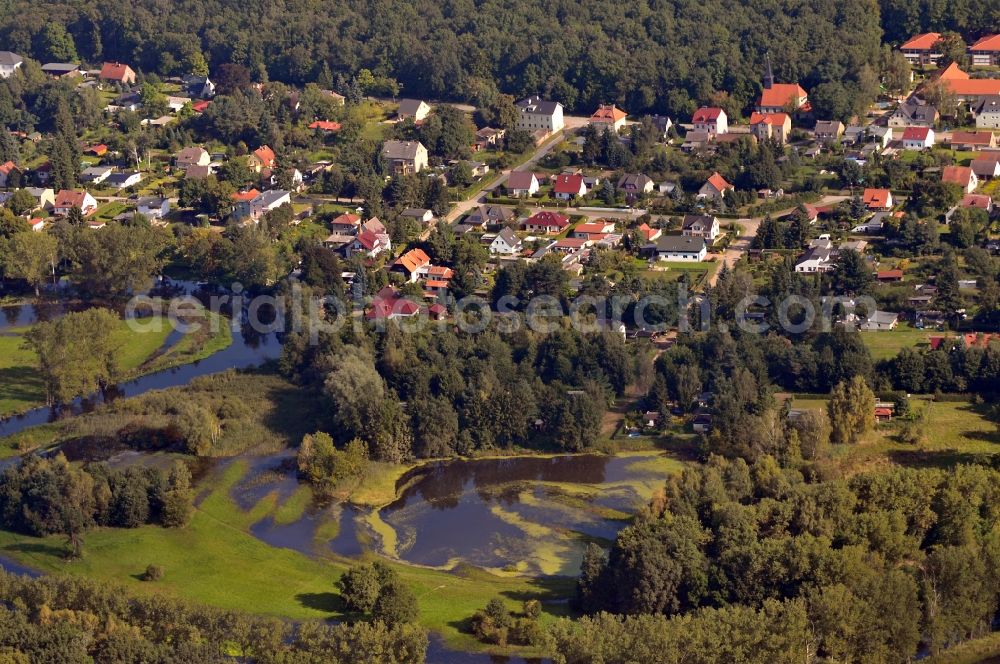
(768, 75)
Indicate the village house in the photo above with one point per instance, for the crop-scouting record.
(773, 126)
(608, 116)
(67, 199)
(877, 199)
(963, 176)
(10, 174)
(198, 172)
(922, 49)
(539, 114)
(192, 156)
(715, 188)
(914, 112)
(965, 88)
(522, 184)
(123, 180)
(488, 137)
(710, 119)
(704, 226)
(370, 241)
(594, 230)
(59, 70)
(818, 258)
(978, 202)
(880, 321)
(413, 109)
(697, 140)
(986, 167)
(405, 157)
(973, 141)
(261, 158)
(490, 215)
(9, 62)
(410, 264)
(153, 207)
(828, 131)
(45, 198)
(635, 185)
(199, 87)
(918, 138)
(569, 186)
(571, 245)
(648, 233)
(506, 243)
(388, 304)
(325, 126)
(116, 72)
(546, 222)
(346, 223)
(986, 52)
(422, 216)
(679, 248)
(987, 112)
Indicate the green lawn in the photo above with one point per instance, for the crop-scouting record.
(21, 387)
(884, 344)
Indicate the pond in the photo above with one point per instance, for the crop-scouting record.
(529, 515)
(248, 349)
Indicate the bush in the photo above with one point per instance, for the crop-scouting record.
(152, 573)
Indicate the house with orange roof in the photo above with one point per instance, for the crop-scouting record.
(610, 116)
(985, 52)
(877, 199)
(773, 126)
(261, 158)
(410, 264)
(116, 72)
(922, 49)
(715, 187)
(965, 88)
(648, 233)
(594, 230)
(8, 172)
(244, 196)
(711, 119)
(325, 125)
(963, 176)
(783, 96)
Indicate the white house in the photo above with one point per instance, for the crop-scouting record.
(701, 225)
(67, 199)
(267, 201)
(987, 113)
(153, 207)
(816, 259)
(714, 187)
(680, 248)
(522, 184)
(710, 119)
(124, 180)
(96, 174)
(506, 243)
(537, 113)
(9, 62)
(569, 186)
(918, 138)
(416, 109)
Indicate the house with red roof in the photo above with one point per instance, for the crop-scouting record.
(648, 233)
(67, 199)
(963, 176)
(978, 202)
(986, 52)
(8, 172)
(922, 49)
(973, 141)
(261, 158)
(388, 304)
(715, 187)
(546, 222)
(781, 97)
(594, 230)
(918, 138)
(569, 186)
(200, 106)
(889, 276)
(325, 125)
(711, 119)
(877, 199)
(369, 243)
(116, 72)
(98, 150)
(244, 196)
(771, 126)
(610, 116)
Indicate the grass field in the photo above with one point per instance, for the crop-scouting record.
(21, 387)
(884, 344)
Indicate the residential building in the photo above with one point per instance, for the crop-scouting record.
(67, 199)
(965, 88)
(327, 126)
(880, 321)
(116, 72)
(422, 216)
(268, 201)
(10, 174)
(346, 224)
(61, 69)
(45, 198)
(369, 243)
(124, 180)
(773, 126)
(539, 114)
(490, 215)
(977, 201)
(715, 188)
(488, 137)
(594, 230)
(972, 141)
(569, 186)
(410, 264)
(413, 109)
(635, 185)
(963, 176)
(9, 62)
(261, 158)
(918, 138)
(522, 184)
(571, 245)
(914, 112)
(96, 174)
(986, 52)
(199, 87)
(192, 156)
(198, 172)
(710, 119)
(153, 207)
(546, 222)
(922, 49)
(649, 233)
(405, 157)
(506, 243)
(986, 167)
(877, 199)
(388, 304)
(816, 259)
(609, 116)
(680, 248)
(828, 131)
(704, 226)
(987, 112)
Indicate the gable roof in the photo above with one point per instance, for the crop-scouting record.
(508, 236)
(266, 155)
(401, 149)
(988, 43)
(115, 71)
(985, 166)
(706, 114)
(537, 105)
(923, 42)
(985, 138)
(608, 113)
(70, 198)
(245, 196)
(698, 221)
(773, 119)
(960, 175)
(719, 182)
(548, 219)
(7, 167)
(10, 59)
(960, 83)
(680, 243)
(412, 260)
(520, 179)
(916, 133)
(876, 197)
(781, 94)
(568, 184)
(411, 106)
(325, 125)
(980, 201)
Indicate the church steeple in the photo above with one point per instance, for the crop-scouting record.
(768, 75)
